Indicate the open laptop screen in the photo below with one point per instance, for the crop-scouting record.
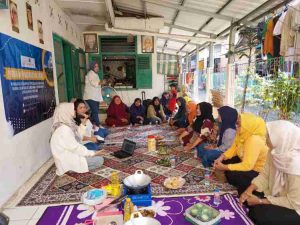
(128, 146)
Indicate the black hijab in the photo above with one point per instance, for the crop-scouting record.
(206, 113)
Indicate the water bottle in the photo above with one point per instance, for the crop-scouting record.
(217, 197)
(207, 178)
(195, 154)
(173, 161)
(128, 209)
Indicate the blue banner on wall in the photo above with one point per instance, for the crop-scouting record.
(27, 83)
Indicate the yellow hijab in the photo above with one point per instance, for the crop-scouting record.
(250, 125)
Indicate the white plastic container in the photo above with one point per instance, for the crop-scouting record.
(94, 197)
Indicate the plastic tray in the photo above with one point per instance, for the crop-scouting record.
(195, 221)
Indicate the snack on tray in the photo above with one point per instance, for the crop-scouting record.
(162, 150)
(174, 182)
(159, 137)
(201, 213)
(164, 162)
(146, 213)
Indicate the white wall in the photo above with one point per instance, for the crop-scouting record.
(22, 154)
(128, 96)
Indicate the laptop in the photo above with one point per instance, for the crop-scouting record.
(127, 149)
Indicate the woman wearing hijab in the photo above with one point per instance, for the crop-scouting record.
(190, 137)
(279, 181)
(209, 153)
(173, 97)
(247, 156)
(68, 153)
(117, 113)
(137, 112)
(92, 136)
(92, 91)
(180, 119)
(155, 112)
(191, 111)
(165, 103)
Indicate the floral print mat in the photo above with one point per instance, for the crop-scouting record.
(51, 189)
(169, 211)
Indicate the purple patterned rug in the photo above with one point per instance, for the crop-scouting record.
(169, 211)
(67, 189)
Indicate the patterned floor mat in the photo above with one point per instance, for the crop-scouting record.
(51, 189)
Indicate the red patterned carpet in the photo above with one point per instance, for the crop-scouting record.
(51, 189)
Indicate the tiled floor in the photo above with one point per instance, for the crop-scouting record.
(27, 215)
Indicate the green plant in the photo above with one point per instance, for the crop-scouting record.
(283, 94)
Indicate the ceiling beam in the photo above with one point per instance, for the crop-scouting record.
(180, 41)
(190, 30)
(175, 50)
(210, 19)
(144, 8)
(190, 10)
(156, 34)
(173, 22)
(110, 11)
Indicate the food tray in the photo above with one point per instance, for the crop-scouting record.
(215, 220)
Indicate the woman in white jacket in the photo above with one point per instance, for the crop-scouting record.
(92, 92)
(68, 153)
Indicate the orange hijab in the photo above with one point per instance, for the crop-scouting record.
(192, 111)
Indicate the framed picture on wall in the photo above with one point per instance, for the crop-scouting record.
(3, 4)
(91, 43)
(41, 31)
(14, 16)
(147, 44)
(29, 16)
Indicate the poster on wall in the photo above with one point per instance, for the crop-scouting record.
(29, 16)
(147, 44)
(91, 43)
(27, 83)
(14, 16)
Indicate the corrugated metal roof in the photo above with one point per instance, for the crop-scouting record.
(183, 17)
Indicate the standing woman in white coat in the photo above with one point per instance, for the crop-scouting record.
(68, 153)
(92, 91)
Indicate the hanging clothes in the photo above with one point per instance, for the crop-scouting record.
(278, 26)
(269, 41)
(290, 44)
(276, 38)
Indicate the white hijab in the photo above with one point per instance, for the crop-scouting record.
(64, 114)
(285, 138)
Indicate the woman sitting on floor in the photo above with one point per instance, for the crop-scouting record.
(117, 113)
(246, 157)
(279, 181)
(205, 124)
(68, 153)
(137, 112)
(91, 135)
(191, 134)
(165, 103)
(209, 153)
(172, 98)
(191, 111)
(180, 119)
(155, 112)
